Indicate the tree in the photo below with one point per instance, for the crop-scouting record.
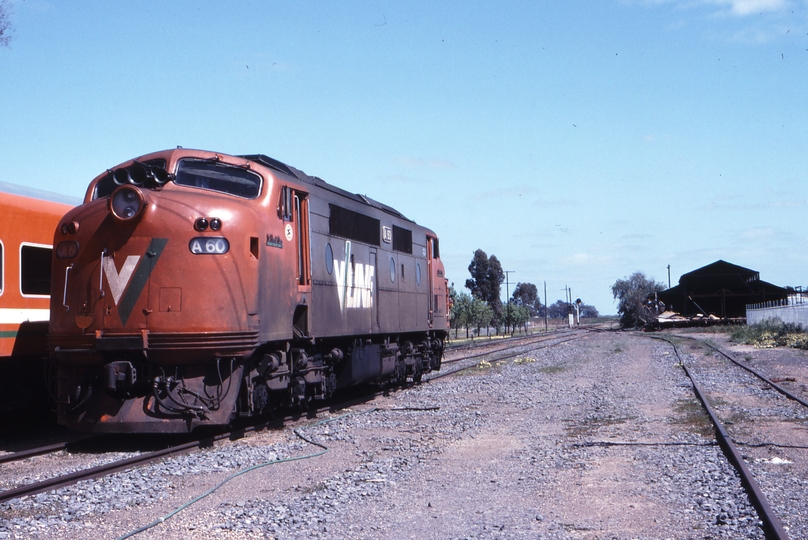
(587, 310)
(5, 23)
(558, 310)
(481, 314)
(469, 312)
(461, 311)
(526, 294)
(520, 315)
(632, 293)
(484, 284)
(478, 268)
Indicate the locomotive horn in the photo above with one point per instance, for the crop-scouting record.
(122, 177)
(160, 175)
(139, 174)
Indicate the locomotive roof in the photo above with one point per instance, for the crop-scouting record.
(319, 182)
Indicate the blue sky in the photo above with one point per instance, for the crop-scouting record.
(577, 141)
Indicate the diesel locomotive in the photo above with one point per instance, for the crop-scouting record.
(193, 288)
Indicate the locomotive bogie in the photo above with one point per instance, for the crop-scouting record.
(188, 258)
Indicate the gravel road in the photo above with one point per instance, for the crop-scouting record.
(599, 438)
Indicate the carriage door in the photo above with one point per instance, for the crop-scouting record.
(433, 298)
(294, 209)
(374, 292)
(301, 221)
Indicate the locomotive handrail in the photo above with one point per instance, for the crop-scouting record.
(101, 274)
(64, 295)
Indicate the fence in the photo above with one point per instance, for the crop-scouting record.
(792, 310)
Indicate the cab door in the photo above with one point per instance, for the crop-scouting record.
(295, 213)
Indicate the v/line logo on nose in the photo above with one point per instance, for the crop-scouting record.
(127, 284)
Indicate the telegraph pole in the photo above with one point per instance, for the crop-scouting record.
(545, 306)
(508, 298)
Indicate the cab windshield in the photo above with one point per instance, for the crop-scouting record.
(217, 176)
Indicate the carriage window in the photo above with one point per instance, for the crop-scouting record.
(285, 207)
(435, 249)
(402, 240)
(353, 225)
(35, 270)
(217, 176)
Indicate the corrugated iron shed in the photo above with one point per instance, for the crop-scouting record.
(721, 289)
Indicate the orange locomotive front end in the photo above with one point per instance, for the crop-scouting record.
(183, 296)
(155, 294)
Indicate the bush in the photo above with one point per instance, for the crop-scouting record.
(772, 333)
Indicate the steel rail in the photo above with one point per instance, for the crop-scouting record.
(99, 471)
(41, 450)
(480, 343)
(527, 343)
(442, 374)
(132, 462)
(772, 526)
(752, 371)
(31, 452)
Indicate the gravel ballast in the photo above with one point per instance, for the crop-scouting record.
(595, 438)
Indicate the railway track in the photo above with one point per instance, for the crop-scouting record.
(482, 342)
(144, 458)
(512, 348)
(722, 399)
(506, 344)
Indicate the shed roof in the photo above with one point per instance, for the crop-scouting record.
(720, 288)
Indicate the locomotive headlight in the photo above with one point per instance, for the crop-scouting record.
(126, 203)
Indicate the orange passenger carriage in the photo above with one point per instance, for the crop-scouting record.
(196, 287)
(26, 233)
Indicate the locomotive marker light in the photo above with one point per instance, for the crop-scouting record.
(70, 227)
(201, 224)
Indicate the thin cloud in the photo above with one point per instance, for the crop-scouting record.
(424, 163)
(741, 8)
(773, 201)
(400, 179)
